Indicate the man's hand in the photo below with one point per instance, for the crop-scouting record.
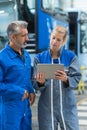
(31, 98)
(25, 95)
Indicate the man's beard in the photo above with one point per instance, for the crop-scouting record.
(21, 46)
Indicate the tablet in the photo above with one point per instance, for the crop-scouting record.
(49, 69)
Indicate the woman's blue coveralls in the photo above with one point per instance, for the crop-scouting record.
(64, 103)
(15, 74)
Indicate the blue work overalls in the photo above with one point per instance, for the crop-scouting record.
(57, 102)
(15, 72)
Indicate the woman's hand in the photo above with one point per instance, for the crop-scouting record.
(61, 75)
(40, 77)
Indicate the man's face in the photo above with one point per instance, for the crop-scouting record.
(21, 39)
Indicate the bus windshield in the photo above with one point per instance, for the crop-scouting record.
(83, 36)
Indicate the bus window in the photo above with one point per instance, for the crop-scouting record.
(31, 6)
(50, 5)
(83, 36)
(47, 4)
(8, 13)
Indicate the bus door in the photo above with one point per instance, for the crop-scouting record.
(27, 11)
(73, 33)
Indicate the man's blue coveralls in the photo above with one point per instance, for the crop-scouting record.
(15, 74)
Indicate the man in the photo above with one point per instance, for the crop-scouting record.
(15, 84)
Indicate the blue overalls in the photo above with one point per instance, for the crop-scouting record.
(15, 74)
(57, 104)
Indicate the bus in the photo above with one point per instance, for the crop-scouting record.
(78, 38)
(8, 13)
(42, 16)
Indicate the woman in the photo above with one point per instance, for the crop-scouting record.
(57, 103)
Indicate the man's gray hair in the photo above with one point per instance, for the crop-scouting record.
(15, 26)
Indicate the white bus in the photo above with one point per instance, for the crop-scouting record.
(8, 13)
(78, 38)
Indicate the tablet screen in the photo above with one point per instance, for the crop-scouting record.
(49, 69)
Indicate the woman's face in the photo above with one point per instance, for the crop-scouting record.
(56, 41)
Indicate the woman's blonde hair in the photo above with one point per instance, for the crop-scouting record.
(61, 30)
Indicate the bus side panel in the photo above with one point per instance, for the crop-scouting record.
(46, 22)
